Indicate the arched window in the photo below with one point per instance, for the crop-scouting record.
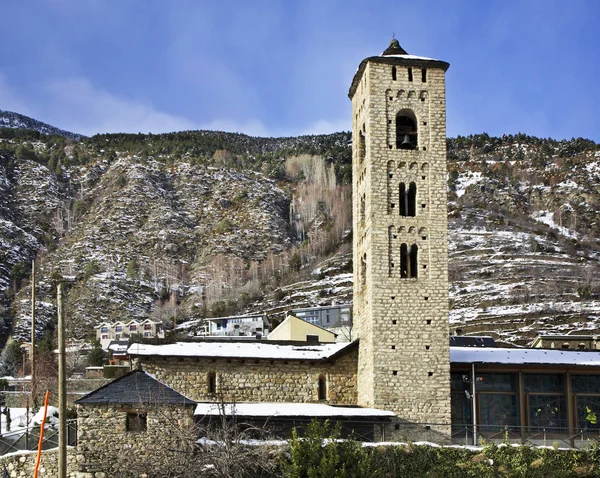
(406, 130)
(362, 209)
(414, 267)
(408, 199)
(403, 261)
(322, 387)
(361, 146)
(212, 382)
(412, 200)
(409, 261)
(363, 271)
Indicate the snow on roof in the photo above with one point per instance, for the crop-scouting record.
(240, 350)
(288, 410)
(523, 356)
(409, 57)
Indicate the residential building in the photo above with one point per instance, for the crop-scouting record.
(117, 331)
(295, 329)
(327, 316)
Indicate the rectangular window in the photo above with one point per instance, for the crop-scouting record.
(118, 328)
(496, 382)
(544, 383)
(585, 383)
(147, 334)
(133, 327)
(147, 326)
(588, 412)
(212, 382)
(104, 330)
(498, 410)
(546, 401)
(105, 337)
(136, 422)
(547, 412)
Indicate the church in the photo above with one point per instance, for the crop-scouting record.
(401, 378)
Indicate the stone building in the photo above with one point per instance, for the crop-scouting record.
(254, 371)
(399, 369)
(400, 234)
(127, 424)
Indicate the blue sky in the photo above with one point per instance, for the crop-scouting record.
(284, 67)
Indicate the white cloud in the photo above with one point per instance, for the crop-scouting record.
(324, 126)
(85, 109)
(251, 127)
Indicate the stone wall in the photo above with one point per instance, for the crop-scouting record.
(258, 380)
(104, 443)
(22, 464)
(404, 359)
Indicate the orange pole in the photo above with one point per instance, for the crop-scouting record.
(42, 426)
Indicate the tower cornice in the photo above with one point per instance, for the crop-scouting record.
(397, 60)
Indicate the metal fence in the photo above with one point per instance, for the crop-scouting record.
(27, 438)
(538, 436)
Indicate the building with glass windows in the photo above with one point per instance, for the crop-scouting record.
(533, 394)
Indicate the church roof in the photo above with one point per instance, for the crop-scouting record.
(247, 350)
(394, 54)
(135, 388)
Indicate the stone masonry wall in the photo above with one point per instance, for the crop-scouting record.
(258, 380)
(105, 446)
(404, 362)
(22, 464)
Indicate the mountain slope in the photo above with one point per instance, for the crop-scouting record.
(197, 223)
(9, 119)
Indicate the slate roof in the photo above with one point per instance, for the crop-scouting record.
(137, 387)
(395, 55)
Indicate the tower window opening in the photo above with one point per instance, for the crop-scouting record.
(408, 199)
(406, 130)
(394, 322)
(414, 250)
(412, 199)
(361, 146)
(394, 71)
(410, 75)
(393, 347)
(428, 321)
(363, 271)
(430, 374)
(322, 387)
(408, 261)
(395, 372)
(424, 75)
(362, 209)
(404, 262)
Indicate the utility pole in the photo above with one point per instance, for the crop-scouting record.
(32, 347)
(62, 388)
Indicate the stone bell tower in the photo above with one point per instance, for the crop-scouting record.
(401, 235)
